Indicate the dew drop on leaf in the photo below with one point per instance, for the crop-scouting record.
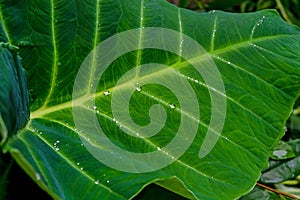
(107, 93)
(138, 89)
(280, 153)
(172, 105)
(37, 176)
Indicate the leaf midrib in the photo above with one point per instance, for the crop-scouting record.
(47, 110)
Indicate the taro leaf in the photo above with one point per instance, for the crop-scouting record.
(280, 171)
(257, 54)
(14, 102)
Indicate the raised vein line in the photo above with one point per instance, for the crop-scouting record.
(72, 164)
(4, 26)
(93, 67)
(138, 60)
(167, 153)
(181, 37)
(212, 42)
(55, 62)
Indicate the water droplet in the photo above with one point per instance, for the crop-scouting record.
(97, 111)
(59, 64)
(81, 144)
(142, 18)
(137, 134)
(92, 85)
(173, 157)
(94, 107)
(285, 129)
(229, 63)
(138, 89)
(37, 176)
(280, 153)
(57, 141)
(57, 148)
(81, 168)
(172, 105)
(158, 148)
(107, 93)
(78, 163)
(107, 181)
(97, 182)
(41, 132)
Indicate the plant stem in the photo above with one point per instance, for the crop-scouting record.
(282, 11)
(276, 191)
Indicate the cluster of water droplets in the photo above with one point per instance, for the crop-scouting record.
(138, 88)
(261, 21)
(97, 181)
(55, 145)
(165, 152)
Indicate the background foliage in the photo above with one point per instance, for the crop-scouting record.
(283, 172)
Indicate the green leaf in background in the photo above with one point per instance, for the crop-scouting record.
(14, 102)
(259, 193)
(280, 171)
(282, 151)
(257, 54)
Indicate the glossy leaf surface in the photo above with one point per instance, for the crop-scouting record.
(257, 55)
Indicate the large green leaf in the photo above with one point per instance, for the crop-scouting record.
(257, 54)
